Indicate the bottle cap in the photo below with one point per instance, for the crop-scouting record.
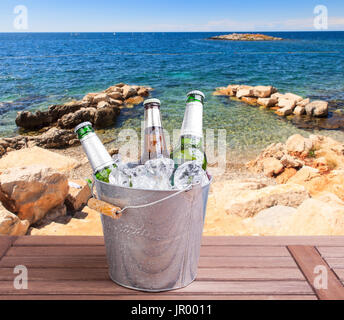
(196, 92)
(81, 125)
(152, 100)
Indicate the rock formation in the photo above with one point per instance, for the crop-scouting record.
(10, 224)
(39, 157)
(35, 191)
(267, 96)
(245, 200)
(316, 162)
(101, 108)
(78, 195)
(31, 192)
(55, 126)
(245, 37)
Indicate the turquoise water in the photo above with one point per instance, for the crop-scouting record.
(37, 70)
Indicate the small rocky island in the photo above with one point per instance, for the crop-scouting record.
(245, 37)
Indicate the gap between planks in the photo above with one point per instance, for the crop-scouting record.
(206, 251)
(203, 274)
(105, 287)
(5, 244)
(101, 262)
(331, 241)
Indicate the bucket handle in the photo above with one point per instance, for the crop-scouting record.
(105, 208)
(116, 212)
(100, 206)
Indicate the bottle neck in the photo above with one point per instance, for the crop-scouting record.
(84, 131)
(195, 97)
(152, 117)
(193, 119)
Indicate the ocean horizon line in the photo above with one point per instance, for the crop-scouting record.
(242, 31)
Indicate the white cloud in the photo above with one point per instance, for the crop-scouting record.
(289, 24)
(334, 23)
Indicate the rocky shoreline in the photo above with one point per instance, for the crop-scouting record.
(284, 104)
(54, 128)
(245, 37)
(305, 196)
(292, 188)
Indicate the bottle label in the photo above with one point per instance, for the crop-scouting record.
(96, 152)
(193, 118)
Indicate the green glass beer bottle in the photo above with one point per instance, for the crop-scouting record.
(191, 136)
(100, 160)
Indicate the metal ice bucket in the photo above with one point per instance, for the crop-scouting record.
(154, 246)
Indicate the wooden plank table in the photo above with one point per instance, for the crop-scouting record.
(75, 267)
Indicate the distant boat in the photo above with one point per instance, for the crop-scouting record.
(114, 33)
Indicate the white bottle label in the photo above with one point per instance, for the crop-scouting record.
(193, 118)
(96, 152)
(152, 117)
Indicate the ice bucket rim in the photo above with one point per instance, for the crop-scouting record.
(95, 180)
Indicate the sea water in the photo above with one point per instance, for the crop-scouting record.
(40, 69)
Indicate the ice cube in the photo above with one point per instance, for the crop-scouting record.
(117, 158)
(121, 175)
(141, 178)
(160, 171)
(160, 166)
(154, 174)
(119, 178)
(190, 173)
(128, 167)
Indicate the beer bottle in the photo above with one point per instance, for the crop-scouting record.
(191, 135)
(100, 160)
(154, 140)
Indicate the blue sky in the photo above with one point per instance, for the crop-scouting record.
(176, 15)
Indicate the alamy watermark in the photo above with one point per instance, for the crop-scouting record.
(129, 146)
(320, 21)
(20, 282)
(321, 279)
(20, 21)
